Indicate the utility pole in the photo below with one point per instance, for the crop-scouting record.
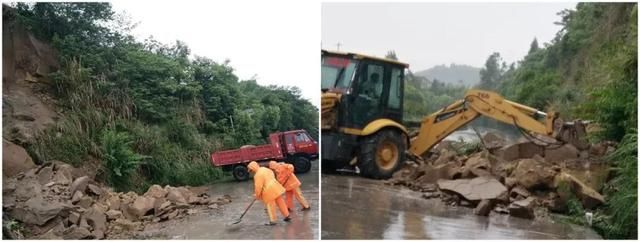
(338, 45)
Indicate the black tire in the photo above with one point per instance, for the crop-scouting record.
(240, 173)
(301, 164)
(381, 154)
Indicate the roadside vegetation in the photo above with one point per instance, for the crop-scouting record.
(588, 71)
(148, 112)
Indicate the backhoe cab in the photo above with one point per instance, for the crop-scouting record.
(362, 113)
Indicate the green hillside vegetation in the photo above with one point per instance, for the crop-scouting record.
(455, 74)
(588, 71)
(149, 112)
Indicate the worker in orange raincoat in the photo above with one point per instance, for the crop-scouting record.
(269, 191)
(285, 176)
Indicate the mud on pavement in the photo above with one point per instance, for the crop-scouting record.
(216, 224)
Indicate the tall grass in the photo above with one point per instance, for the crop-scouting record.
(99, 123)
(621, 214)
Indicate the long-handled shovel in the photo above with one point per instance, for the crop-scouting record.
(245, 212)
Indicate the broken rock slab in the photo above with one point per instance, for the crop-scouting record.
(15, 159)
(75, 233)
(531, 173)
(484, 207)
(479, 188)
(523, 208)
(562, 153)
(142, 206)
(433, 173)
(79, 184)
(567, 184)
(38, 211)
(156, 191)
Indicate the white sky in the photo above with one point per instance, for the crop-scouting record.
(429, 34)
(263, 38)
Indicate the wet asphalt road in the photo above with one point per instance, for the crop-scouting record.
(359, 208)
(217, 224)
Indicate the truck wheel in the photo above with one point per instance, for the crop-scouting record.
(241, 173)
(381, 154)
(301, 164)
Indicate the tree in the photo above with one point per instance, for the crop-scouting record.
(534, 46)
(391, 55)
(491, 73)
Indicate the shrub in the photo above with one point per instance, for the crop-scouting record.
(118, 159)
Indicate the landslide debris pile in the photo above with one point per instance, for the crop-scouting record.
(52, 201)
(517, 179)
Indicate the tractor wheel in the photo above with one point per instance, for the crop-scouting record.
(381, 154)
(301, 164)
(240, 173)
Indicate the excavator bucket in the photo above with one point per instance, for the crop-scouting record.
(574, 133)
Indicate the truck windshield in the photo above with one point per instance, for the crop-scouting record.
(337, 72)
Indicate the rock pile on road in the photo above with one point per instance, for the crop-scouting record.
(52, 203)
(513, 179)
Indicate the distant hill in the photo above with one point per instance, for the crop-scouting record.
(452, 74)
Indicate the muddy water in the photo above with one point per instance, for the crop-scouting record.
(359, 208)
(216, 224)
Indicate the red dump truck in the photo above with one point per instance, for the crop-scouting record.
(295, 147)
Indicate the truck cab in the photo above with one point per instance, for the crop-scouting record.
(300, 142)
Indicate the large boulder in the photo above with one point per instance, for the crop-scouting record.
(79, 184)
(567, 184)
(557, 154)
(477, 165)
(523, 208)
(532, 174)
(155, 191)
(141, 206)
(519, 150)
(113, 201)
(176, 196)
(479, 188)
(484, 207)
(446, 156)
(26, 189)
(76, 233)
(97, 219)
(45, 174)
(432, 173)
(509, 152)
(15, 159)
(38, 211)
(493, 140)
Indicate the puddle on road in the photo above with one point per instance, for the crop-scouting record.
(216, 224)
(358, 208)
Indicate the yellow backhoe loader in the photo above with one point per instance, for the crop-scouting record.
(361, 116)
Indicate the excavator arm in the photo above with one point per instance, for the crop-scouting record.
(475, 103)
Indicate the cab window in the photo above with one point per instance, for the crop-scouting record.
(289, 139)
(395, 88)
(370, 83)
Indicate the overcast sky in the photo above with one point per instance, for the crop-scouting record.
(266, 39)
(428, 34)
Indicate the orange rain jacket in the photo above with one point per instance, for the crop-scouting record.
(265, 185)
(285, 176)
